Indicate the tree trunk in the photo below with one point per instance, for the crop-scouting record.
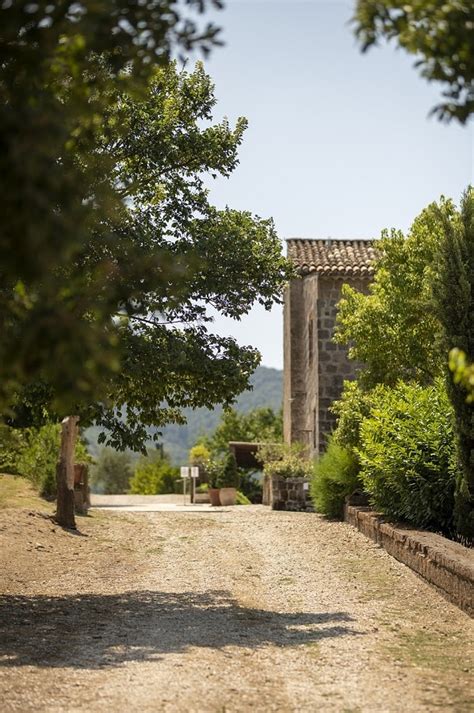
(65, 474)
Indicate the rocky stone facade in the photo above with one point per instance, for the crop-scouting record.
(314, 366)
(287, 493)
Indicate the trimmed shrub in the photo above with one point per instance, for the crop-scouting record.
(335, 476)
(408, 455)
(453, 292)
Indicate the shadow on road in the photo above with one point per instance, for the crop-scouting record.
(93, 631)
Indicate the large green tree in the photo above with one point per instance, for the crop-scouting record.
(60, 64)
(393, 330)
(160, 148)
(438, 33)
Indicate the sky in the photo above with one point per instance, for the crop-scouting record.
(340, 144)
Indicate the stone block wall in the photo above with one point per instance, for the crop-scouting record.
(315, 367)
(287, 494)
(446, 564)
(333, 364)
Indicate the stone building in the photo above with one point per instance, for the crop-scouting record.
(314, 366)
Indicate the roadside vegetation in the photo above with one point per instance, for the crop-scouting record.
(18, 492)
(404, 432)
(33, 454)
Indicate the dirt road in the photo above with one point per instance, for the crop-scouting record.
(238, 610)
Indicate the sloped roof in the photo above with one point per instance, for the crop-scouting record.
(340, 258)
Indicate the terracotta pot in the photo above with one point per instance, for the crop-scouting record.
(214, 496)
(228, 496)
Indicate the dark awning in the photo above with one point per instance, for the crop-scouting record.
(245, 454)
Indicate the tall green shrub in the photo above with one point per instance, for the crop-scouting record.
(408, 455)
(454, 299)
(335, 476)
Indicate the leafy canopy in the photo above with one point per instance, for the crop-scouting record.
(160, 148)
(439, 33)
(61, 65)
(393, 330)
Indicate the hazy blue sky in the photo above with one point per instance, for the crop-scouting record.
(339, 144)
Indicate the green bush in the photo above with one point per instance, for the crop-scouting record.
(335, 476)
(154, 475)
(408, 455)
(34, 454)
(351, 409)
(38, 457)
(112, 472)
(292, 464)
(10, 446)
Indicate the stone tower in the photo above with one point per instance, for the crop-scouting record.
(314, 366)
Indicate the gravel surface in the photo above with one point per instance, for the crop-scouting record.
(238, 610)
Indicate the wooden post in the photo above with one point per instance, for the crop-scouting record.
(81, 489)
(65, 473)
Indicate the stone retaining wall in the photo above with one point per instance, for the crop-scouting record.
(287, 494)
(446, 564)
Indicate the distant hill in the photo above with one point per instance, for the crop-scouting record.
(177, 440)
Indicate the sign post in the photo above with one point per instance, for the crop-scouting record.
(194, 475)
(184, 477)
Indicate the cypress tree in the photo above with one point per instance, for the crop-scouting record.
(454, 300)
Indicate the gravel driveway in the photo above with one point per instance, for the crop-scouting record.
(238, 610)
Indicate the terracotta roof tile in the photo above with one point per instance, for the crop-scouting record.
(344, 258)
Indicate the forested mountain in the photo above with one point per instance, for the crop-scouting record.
(177, 440)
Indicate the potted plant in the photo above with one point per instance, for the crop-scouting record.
(228, 481)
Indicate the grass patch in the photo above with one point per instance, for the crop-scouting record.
(431, 649)
(378, 584)
(17, 492)
(154, 551)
